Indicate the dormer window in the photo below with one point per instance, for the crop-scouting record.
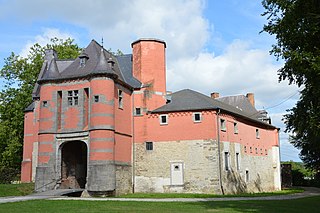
(83, 58)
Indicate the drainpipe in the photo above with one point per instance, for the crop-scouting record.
(133, 146)
(219, 154)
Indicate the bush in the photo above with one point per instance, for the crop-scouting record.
(7, 175)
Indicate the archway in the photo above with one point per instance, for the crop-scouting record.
(73, 165)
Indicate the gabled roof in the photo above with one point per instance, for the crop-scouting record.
(241, 102)
(189, 100)
(97, 62)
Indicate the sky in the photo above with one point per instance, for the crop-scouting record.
(212, 45)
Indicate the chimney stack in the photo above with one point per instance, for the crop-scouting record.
(250, 97)
(215, 95)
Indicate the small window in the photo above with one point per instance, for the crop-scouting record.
(250, 149)
(223, 125)
(45, 103)
(247, 176)
(120, 98)
(149, 145)
(235, 128)
(261, 152)
(257, 133)
(266, 151)
(96, 98)
(176, 168)
(245, 149)
(256, 150)
(197, 117)
(138, 111)
(163, 119)
(237, 161)
(226, 161)
(73, 98)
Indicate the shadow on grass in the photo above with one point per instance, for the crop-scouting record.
(310, 204)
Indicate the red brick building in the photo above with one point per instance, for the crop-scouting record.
(106, 123)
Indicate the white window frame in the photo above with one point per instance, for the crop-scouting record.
(73, 97)
(257, 133)
(160, 119)
(247, 176)
(237, 159)
(120, 98)
(223, 125)
(135, 111)
(235, 128)
(194, 117)
(227, 161)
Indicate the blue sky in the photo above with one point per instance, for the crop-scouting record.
(212, 46)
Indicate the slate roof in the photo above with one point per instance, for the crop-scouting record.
(241, 102)
(97, 63)
(189, 100)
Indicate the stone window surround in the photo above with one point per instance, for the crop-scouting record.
(163, 118)
(197, 117)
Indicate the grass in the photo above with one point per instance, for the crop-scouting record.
(309, 204)
(183, 195)
(16, 189)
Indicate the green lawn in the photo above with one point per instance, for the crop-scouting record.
(310, 204)
(184, 195)
(16, 189)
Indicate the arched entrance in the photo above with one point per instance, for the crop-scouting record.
(73, 165)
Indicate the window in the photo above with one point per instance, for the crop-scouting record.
(256, 150)
(245, 149)
(237, 161)
(138, 111)
(96, 98)
(223, 125)
(45, 103)
(149, 145)
(163, 119)
(266, 151)
(73, 98)
(257, 133)
(197, 117)
(247, 176)
(235, 128)
(226, 161)
(250, 149)
(120, 99)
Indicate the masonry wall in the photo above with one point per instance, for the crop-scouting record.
(153, 172)
(195, 145)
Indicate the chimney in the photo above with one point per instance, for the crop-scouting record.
(215, 95)
(250, 97)
(50, 54)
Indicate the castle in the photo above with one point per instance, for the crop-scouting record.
(107, 124)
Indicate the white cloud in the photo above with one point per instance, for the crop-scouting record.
(44, 39)
(180, 23)
(239, 70)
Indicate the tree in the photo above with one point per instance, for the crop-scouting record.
(20, 75)
(296, 25)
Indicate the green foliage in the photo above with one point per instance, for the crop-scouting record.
(20, 75)
(296, 25)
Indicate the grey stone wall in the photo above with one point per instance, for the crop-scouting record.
(123, 179)
(199, 159)
(260, 170)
